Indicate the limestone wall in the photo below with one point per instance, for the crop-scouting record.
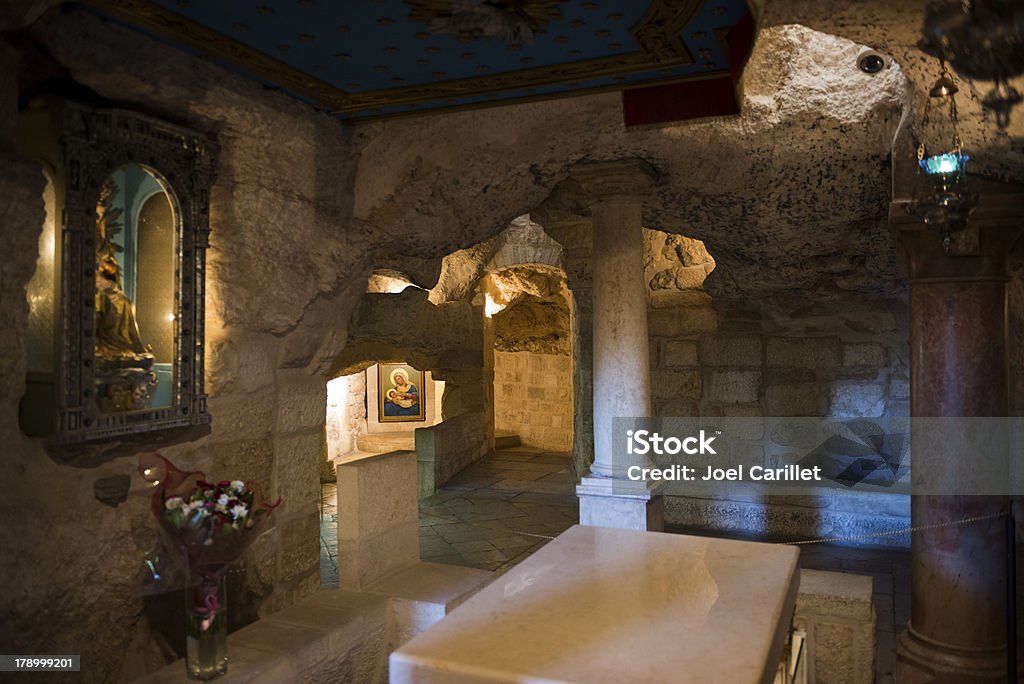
(303, 206)
(533, 398)
(444, 449)
(772, 359)
(346, 413)
(277, 307)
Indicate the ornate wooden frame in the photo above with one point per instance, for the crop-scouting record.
(94, 143)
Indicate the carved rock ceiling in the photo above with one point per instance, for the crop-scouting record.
(789, 198)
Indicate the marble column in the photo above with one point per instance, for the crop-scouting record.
(622, 376)
(959, 368)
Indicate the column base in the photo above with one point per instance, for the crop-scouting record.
(623, 504)
(920, 660)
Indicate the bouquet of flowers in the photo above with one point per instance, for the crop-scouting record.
(210, 524)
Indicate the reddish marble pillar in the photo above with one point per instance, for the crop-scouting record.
(959, 368)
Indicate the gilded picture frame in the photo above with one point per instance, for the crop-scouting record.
(401, 393)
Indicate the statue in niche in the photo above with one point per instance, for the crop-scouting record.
(125, 380)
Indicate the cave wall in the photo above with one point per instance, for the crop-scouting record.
(73, 566)
(791, 198)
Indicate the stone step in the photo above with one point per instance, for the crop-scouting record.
(343, 636)
(506, 440)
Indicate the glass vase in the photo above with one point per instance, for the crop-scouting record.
(206, 640)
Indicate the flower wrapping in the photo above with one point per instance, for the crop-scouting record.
(209, 524)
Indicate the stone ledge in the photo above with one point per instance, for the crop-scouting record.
(339, 635)
(437, 583)
(316, 639)
(838, 594)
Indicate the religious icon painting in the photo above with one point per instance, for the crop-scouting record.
(401, 393)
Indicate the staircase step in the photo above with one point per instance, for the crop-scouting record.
(506, 440)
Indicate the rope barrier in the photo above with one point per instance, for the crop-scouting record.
(893, 533)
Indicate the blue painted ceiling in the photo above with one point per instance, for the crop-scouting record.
(365, 59)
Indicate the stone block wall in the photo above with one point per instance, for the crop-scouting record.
(533, 398)
(737, 360)
(346, 413)
(444, 449)
(830, 364)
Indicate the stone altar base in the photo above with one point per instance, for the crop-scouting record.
(610, 605)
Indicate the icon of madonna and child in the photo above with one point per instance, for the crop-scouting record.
(400, 393)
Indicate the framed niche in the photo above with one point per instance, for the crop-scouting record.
(401, 393)
(119, 286)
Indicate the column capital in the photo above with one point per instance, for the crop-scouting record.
(980, 251)
(619, 178)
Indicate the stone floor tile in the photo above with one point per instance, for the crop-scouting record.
(464, 533)
(470, 547)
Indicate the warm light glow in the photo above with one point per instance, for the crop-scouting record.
(491, 307)
(156, 482)
(170, 317)
(147, 471)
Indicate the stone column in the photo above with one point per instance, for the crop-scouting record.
(622, 378)
(958, 357)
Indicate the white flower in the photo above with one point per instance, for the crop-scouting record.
(223, 500)
(238, 511)
(174, 502)
(208, 542)
(238, 486)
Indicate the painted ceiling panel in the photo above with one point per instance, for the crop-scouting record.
(364, 59)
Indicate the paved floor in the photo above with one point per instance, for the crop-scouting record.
(501, 509)
(328, 535)
(498, 511)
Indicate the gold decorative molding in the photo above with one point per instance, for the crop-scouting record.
(658, 30)
(217, 45)
(657, 34)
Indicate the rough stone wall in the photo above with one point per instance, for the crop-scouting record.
(792, 198)
(533, 398)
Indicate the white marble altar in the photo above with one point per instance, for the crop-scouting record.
(612, 605)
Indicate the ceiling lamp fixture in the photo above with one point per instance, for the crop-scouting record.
(948, 201)
(983, 40)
